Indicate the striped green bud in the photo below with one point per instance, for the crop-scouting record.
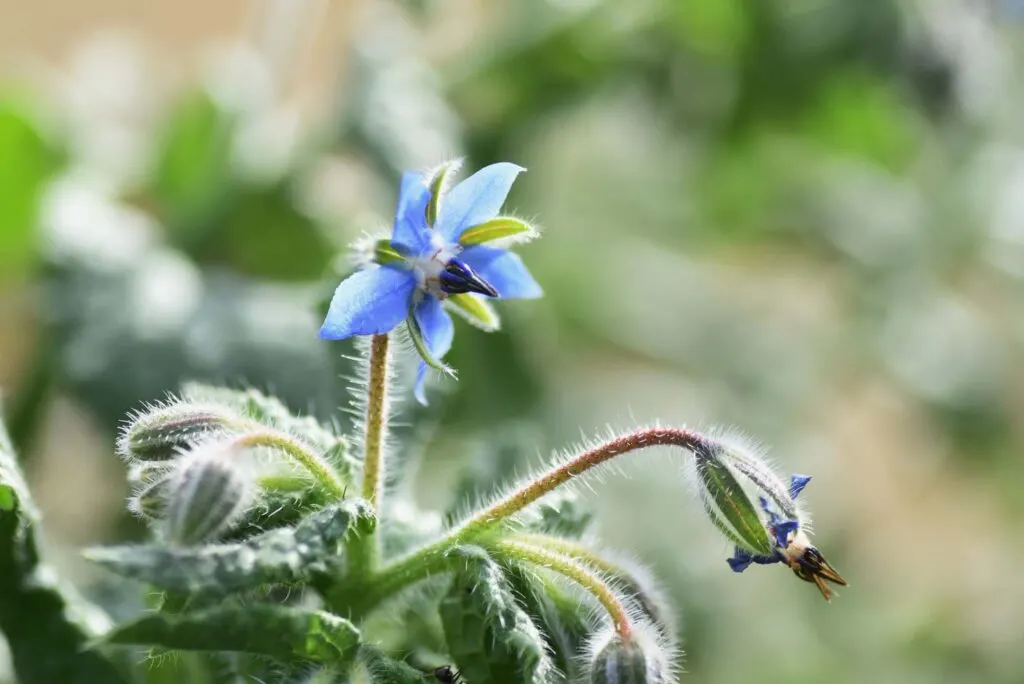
(641, 661)
(207, 494)
(163, 432)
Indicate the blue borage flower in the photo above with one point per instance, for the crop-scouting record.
(435, 257)
(792, 546)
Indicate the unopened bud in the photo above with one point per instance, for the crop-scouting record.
(150, 501)
(206, 495)
(727, 503)
(775, 531)
(163, 432)
(640, 661)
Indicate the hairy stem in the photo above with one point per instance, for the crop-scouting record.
(577, 572)
(571, 548)
(364, 551)
(317, 467)
(376, 422)
(431, 559)
(574, 467)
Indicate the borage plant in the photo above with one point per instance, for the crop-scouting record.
(279, 555)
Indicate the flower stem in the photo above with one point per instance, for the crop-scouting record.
(298, 453)
(364, 551)
(579, 464)
(568, 547)
(432, 559)
(577, 572)
(376, 422)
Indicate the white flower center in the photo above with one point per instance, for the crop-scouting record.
(428, 267)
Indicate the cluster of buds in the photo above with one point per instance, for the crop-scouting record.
(201, 463)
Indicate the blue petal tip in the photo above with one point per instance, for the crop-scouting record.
(797, 484)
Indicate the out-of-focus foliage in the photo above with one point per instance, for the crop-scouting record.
(801, 218)
(48, 628)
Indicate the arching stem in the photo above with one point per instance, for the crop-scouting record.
(316, 466)
(574, 467)
(577, 572)
(433, 558)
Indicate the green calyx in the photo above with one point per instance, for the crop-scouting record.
(729, 506)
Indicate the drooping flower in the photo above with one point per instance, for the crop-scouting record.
(792, 546)
(435, 260)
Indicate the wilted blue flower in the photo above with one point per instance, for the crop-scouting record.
(792, 546)
(435, 253)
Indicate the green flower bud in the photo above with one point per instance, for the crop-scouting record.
(643, 660)
(150, 501)
(207, 494)
(164, 431)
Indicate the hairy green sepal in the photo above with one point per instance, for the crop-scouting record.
(498, 229)
(742, 523)
(476, 310)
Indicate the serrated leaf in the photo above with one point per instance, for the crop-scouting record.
(474, 309)
(732, 502)
(47, 626)
(490, 636)
(281, 556)
(506, 228)
(275, 631)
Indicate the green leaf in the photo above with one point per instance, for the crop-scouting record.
(559, 615)
(26, 161)
(385, 670)
(47, 626)
(502, 228)
(490, 636)
(475, 309)
(281, 556)
(193, 165)
(275, 631)
(722, 489)
(278, 508)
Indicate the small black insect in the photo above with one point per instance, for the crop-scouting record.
(445, 675)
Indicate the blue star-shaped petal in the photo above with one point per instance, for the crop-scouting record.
(434, 265)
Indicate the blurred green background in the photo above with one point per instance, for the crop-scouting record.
(801, 218)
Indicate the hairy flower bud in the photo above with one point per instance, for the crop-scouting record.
(150, 501)
(775, 530)
(643, 660)
(207, 494)
(162, 432)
